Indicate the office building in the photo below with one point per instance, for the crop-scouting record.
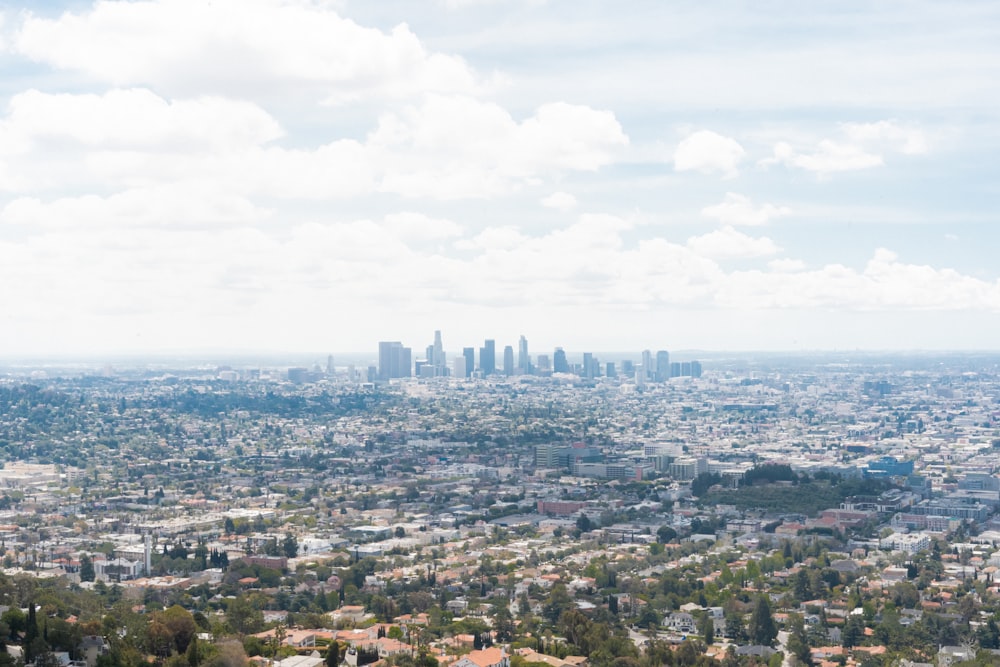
(393, 360)
(488, 358)
(662, 366)
(544, 364)
(559, 361)
(459, 370)
(470, 360)
(523, 360)
(508, 360)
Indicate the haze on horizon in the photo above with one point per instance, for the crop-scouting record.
(281, 175)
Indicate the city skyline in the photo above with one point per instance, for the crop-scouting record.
(182, 177)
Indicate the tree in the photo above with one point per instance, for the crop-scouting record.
(181, 624)
(665, 534)
(762, 629)
(584, 524)
(558, 601)
(854, 631)
(192, 655)
(86, 568)
(333, 654)
(290, 546)
(243, 617)
(798, 643)
(708, 630)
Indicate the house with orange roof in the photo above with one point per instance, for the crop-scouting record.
(487, 657)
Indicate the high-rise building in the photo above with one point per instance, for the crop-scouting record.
(393, 360)
(488, 357)
(662, 365)
(559, 362)
(459, 370)
(523, 360)
(508, 360)
(647, 364)
(329, 364)
(696, 369)
(544, 364)
(609, 370)
(438, 360)
(470, 360)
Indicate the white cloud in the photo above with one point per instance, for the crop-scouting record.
(561, 201)
(445, 147)
(885, 283)
(179, 205)
(453, 147)
(864, 146)
(134, 119)
(737, 209)
(727, 243)
(411, 225)
(786, 265)
(245, 47)
(906, 140)
(708, 152)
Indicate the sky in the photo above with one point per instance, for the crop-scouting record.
(310, 175)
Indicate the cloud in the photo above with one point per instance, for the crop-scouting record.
(885, 283)
(737, 209)
(134, 119)
(240, 47)
(727, 243)
(864, 146)
(561, 201)
(888, 133)
(451, 147)
(785, 265)
(411, 225)
(708, 152)
(177, 206)
(445, 147)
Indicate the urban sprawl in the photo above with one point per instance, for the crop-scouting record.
(485, 510)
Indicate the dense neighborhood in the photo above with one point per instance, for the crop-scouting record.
(775, 510)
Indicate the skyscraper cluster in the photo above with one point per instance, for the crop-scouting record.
(395, 362)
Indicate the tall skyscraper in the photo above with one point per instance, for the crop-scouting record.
(438, 361)
(647, 364)
(523, 360)
(559, 362)
(587, 370)
(470, 360)
(662, 365)
(393, 360)
(508, 360)
(488, 357)
(459, 370)
(544, 364)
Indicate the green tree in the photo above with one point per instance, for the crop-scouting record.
(762, 629)
(181, 624)
(854, 631)
(708, 630)
(290, 546)
(243, 617)
(333, 654)
(86, 568)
